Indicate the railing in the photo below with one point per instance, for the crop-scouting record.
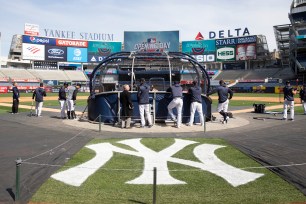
(299, 65)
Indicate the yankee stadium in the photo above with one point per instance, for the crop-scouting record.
(154, 117)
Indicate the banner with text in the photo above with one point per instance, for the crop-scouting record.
(226, 53)
(201, 50)
(236, 41)
(151, 41)
(31, 29)
(71, 43)
(54, 53)
(38, 40)
(97, 51)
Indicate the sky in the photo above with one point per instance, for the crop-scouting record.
(116, 16)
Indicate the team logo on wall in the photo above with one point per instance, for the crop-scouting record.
(205, 153)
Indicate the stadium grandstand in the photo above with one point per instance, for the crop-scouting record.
(29, 79)
(250, 65)
(277, 73)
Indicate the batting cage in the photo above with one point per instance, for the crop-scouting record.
(160, 71)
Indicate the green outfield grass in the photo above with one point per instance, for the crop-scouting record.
(5, 110)
(108, 185)
(297, 110)
(245, 103)
(258, 95)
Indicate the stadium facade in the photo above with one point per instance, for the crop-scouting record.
(38, 52)
(291, 39)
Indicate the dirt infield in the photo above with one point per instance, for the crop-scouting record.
(29, 99)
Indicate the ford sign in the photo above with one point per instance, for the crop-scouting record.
(55, 51)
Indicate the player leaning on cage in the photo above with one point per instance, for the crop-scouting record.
(224, 95)
(177, 102)
(71, 98)
(196, 103)
(144, 103)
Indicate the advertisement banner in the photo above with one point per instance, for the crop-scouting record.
(251, 81)
(50, 82)
(24, 88)
(234, 66)
(97, 51)
(151, 41)
(3, 89)
(38, 40)
(212, 72)
(201, 50)
(71, 43)
(4, 79)
(227, 53)
(76, 54)
(54, 53)
(301, 37)
(31, 29)
(246, 52)
(33, 51)
(236, 41)
(25, 80)
(45, 65)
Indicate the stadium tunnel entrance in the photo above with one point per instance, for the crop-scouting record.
(160, 70)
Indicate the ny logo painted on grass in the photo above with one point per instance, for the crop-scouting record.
(204, 152)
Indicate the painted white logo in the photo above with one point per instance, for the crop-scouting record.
(204, 152)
